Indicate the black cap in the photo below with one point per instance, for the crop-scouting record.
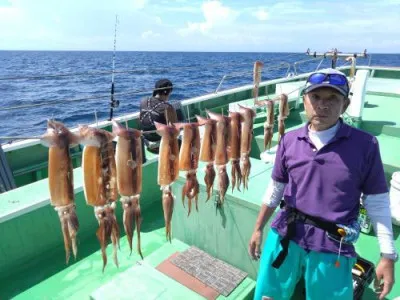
(162, 86)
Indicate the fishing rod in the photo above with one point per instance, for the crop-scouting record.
(113, 103)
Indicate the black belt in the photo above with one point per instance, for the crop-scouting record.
(293, 216)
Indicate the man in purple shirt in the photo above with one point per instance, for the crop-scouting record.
(321, 170)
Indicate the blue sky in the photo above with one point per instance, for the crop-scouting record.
(192, 25)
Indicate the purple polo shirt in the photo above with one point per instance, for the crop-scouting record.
(327, 183)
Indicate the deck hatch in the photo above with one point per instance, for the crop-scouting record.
(213, 272)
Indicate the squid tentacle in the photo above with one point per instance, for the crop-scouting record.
(191, 190)
(168, 207)
(223, 182)
(246, 167)
(73, 226)
(67, 246)
(268, 134)
(209, 179)
(236, 174)
(138, 221)
(281, 127)
(69, 225)
(128, 219)
(108, 229)
(115, 234)
(103, 233)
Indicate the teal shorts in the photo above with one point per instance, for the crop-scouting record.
(322, 279)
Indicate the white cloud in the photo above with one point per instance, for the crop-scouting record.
(261, 14)
(158, 20)
(139, 4)
(10, 13)
(187, 9)
(216, 15)
(149, 34)
(200, 25)
(295, 7)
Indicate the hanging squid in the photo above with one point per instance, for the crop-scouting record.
(247, 116)
(58, 138)
(207, 151)
(168, 169)
(100, 184)
(234, 149)
(221, 151)
(129, 158)
(257, 79)
(269, 125)
(189, 161)
(283, 114)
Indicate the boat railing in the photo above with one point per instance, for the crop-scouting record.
(104, 123)
(290, 77)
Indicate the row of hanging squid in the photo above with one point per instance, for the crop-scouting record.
(270, 120)
(106, 172)
(109, 172)
(224, 138)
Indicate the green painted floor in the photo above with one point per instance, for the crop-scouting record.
(151, 284)
(381, 116)
(381, 120)
(48, 277)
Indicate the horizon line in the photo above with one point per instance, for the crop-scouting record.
(172, 51)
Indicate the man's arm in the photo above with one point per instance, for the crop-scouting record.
(271, 200)
(256, 238)
(377, 204)
(272, 197)
(378, 210)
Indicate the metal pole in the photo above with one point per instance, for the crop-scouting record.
(334, 59)
(113, 103)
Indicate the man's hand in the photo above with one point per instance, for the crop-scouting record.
(384, 272)
(255, 244)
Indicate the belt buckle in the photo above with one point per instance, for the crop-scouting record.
(301, 217)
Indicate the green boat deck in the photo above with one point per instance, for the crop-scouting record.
(32, 260)
(222, 233)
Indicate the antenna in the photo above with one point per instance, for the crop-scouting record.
(113, 103)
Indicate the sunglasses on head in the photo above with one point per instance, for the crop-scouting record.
(335, 79)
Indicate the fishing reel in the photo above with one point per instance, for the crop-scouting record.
(114, 103)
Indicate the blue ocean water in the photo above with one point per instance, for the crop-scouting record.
(88, 74)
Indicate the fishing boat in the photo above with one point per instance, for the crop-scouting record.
(32, 260)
